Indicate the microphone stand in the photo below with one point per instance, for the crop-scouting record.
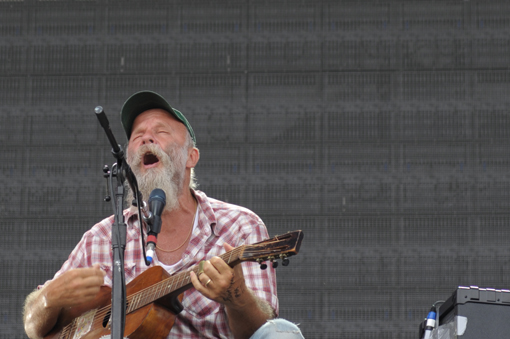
(121, 171)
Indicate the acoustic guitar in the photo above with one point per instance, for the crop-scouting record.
(153, 298)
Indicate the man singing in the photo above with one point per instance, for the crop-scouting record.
(225, 302)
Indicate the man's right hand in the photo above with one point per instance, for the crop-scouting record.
(74, 287)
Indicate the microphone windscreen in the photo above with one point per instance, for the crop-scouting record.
(159, 195)
(157, 202)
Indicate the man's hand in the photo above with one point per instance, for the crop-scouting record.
(74, 287)
(226, 285)
(220, 282)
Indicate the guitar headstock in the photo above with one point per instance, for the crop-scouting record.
(278, 247)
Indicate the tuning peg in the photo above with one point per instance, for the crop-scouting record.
(275, 264)
(285, 260)
(263, 265)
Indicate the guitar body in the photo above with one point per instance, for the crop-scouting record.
(87, 321)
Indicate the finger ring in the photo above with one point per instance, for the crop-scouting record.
(200, 268)
(208, 282)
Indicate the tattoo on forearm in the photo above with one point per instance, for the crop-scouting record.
(232, 292)
(228, 296)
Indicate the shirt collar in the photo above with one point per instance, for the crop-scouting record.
(131, 214)
(208, 216)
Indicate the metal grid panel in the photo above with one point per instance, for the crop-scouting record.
(279, 17)
(421, 15)
(63, 20)
(434, 124)
(492, 15)
(491, 53)
(355, 16)
(358, 87)
(13, 59)
(12, 17)
(438, 86)
(60, 91)
(206, 18)
(357, 125)
(421, 54)
(64, 59)
(212, 88)
(212, 57)
(297, 87)
(359, 54)
(380, 129)
(116, 87)
(492, 85)
(284, 55)
(13, 91)
(140, 58)
(138, 18)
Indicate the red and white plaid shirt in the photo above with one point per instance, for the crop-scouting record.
(218, 222)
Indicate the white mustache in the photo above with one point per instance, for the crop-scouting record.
(143, 150)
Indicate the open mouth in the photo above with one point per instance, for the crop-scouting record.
(150, 159)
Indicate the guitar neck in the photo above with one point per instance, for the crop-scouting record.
(178, 282)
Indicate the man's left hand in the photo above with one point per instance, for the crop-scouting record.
(221, 283)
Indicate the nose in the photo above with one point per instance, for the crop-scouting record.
(148, 138)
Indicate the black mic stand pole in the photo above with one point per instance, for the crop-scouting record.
(121, 171)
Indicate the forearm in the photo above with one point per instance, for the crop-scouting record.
(248, 317)
(44, 307)
(38, 318)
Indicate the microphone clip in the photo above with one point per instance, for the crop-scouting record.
(147, 215)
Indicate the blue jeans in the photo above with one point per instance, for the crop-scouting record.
(278, 329)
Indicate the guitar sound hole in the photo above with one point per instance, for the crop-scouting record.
(106, 318)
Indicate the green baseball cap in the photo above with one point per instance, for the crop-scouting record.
(143, 101)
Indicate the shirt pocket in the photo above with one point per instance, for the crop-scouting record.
(198, 305)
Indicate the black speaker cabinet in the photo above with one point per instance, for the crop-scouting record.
(486, 310)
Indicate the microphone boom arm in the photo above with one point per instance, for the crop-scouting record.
(122, 172)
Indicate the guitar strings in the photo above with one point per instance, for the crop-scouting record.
(99, 317)
(102, 312)
(105, 310)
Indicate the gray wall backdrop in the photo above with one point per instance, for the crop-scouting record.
(379, 128)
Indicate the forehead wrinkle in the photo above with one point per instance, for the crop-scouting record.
(160, 116)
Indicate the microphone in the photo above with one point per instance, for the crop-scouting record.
(157, 202)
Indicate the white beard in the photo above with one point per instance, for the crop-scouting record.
(169, 177)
